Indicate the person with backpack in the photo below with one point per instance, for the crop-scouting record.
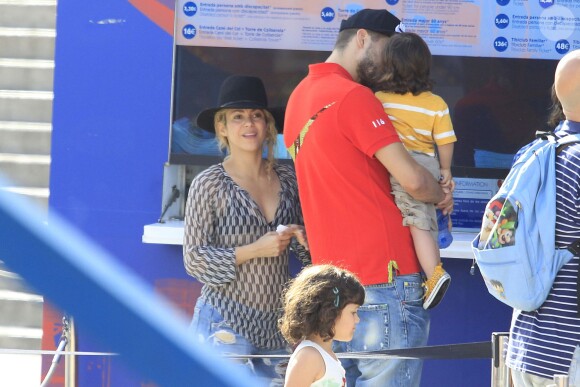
(542, 341)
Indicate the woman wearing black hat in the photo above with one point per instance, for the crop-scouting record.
(231, 241)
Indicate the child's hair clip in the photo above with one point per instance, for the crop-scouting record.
(337, 299)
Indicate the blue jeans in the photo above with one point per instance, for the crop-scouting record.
(209, 327)
(391, 317)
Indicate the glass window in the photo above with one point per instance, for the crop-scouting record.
(496, 104)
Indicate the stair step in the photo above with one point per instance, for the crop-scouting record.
(26, 74)
(27, 94)
(28, 2)
(32, 192)
(29, 63)
(27, 40)
(39, 127)
(23, 14)
(24, 314)
(21, 159)
(15, 296)
(25, 137)
(29, 43)
(25, 170)
(19, 343)
(21, 333)
(12, 282)
(37, 195)
(28, 32)
(20, 309)
(24, 105)
(21, 317)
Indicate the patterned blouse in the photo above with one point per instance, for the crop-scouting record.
(219, 216)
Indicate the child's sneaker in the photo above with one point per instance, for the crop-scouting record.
(435, 287)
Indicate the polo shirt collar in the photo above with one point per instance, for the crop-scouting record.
(569, 126)
(329, 68)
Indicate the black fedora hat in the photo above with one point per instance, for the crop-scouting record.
(240, 92)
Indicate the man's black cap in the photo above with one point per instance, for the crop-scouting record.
(377, 20)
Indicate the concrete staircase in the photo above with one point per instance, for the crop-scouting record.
(27, 35)
(27, 32)
(21, 317)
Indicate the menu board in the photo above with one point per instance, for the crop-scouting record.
(470, 198)
(542, 29)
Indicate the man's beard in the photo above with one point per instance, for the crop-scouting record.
(368, 73)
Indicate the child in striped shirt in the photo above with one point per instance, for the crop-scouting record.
(422, 121)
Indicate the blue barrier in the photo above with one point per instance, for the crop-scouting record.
(107, 300)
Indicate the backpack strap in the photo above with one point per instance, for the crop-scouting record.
(543, 134)
(566, 141)
(574, 247)
(295, 147)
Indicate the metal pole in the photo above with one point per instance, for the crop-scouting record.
(500, 373)
(70, 361)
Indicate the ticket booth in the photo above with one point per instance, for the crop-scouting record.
(136, 74)
(493, 63)
(498, 93)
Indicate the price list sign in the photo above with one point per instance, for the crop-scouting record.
(542, 29)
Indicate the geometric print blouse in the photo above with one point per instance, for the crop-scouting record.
(219, 216)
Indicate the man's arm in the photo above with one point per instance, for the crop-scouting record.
(413, 177)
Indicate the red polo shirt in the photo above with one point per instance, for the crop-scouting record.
(349, 212)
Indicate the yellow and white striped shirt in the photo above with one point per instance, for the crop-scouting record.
(420, 120)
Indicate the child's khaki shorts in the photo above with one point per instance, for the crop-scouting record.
(416, 213)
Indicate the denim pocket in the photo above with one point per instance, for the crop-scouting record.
(372, 333)
(199, 327)
(413, 293)
(206, 321)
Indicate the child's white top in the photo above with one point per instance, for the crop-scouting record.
(334, 376)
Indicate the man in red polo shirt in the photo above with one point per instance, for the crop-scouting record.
(344, 148)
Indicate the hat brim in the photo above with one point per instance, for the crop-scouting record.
(205, 119)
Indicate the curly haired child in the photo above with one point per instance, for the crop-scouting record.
(320, 306)
(423, 123)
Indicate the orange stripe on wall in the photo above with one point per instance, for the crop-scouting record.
(157, 12)
(51, 331)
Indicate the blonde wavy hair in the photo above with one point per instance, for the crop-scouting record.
(271, 133)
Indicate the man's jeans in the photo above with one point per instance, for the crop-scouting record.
(391, 317)
(209, 327)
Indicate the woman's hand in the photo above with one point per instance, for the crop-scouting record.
(271, 244)
(298, 232)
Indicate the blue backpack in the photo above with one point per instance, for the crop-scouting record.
(515, 250)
